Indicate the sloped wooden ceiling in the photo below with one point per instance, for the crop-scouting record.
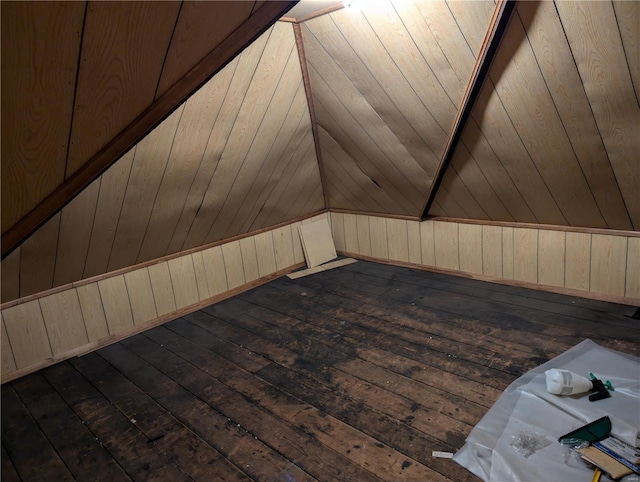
(554, 137)
(386, 83)
(237, 156)
(84, 81)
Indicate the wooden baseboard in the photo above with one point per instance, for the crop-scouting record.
(89, 347)
(623, 300)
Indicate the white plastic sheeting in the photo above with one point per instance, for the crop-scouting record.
(526, 408)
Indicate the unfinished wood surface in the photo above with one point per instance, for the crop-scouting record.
(323, 267)
(379, 240)
(27, 333)
(215, 269)
(64, 321)
(143, 306)
(38, 257)
(233, 263)
(249, 259)
(351, 373)
(492, 251)
(317, 242)
(508, 252)
(427, 243)
(414, 242)
(38, 39)
(398, 239)
(578, 259)
(352, 233)
(283, 246)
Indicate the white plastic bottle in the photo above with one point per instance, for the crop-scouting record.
(564, 382)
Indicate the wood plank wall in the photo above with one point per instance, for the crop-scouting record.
(40, 330)
(236, 157)
(589, 264)
(553, 137)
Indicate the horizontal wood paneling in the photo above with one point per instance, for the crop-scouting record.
(585, 264)
(46, 329)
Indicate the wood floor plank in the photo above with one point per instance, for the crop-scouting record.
(255, 458)
(9, 473)
(319, 370)
(74, 443)
(28, 448)
(121, 437)
(272, 431)
(192, 454)
(351, 374)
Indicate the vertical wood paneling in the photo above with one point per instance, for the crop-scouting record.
(525, 95)
(124, 44)
(551, 257)
(37, 258)
(446, 245)
(427, 243)
(143, 306)
(283, 246)
(214, 266)
(113, 184)
(470, 248)
(627, 14)
(413, 238)
(298, 252)
(265, 252)
(199, 29)
(351, 233)
(117, 307)
(189, 143)
(93, 315)
(507, 253)
(8, 362)
(76, 222)
(378, 233)
(398, 240)
(63, 318)
(148, 166)
(553, 55)
(249, 259)
(492, 251)
(27, 333)
(201, 275)
(183, 279)
(594, 37)
(337, 230)
(233, 262)
(162, 288)
(364, 238)
(40, 46)
(578, 261)
(10, 276)
(608, 264)
(632, 287)
(525, 254)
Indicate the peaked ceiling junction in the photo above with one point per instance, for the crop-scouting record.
(522, 112)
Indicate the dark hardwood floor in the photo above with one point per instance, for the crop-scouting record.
(358, 373)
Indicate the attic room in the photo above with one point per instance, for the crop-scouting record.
(473, 166)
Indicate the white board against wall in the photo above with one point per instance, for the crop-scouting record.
(317, 242)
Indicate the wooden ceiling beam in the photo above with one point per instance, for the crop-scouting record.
(492, 39)
(212, 63)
